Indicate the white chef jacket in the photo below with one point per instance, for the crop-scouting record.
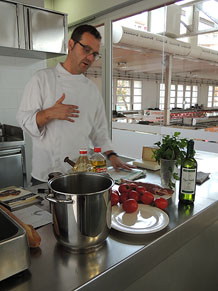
(60, 138)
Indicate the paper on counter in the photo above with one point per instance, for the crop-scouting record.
(34, 215)
(126, 174)
(154, 166)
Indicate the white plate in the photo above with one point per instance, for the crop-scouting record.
(147, 219)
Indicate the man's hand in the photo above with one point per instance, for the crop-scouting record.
(64, 111)
(57, 111)
(117, 163)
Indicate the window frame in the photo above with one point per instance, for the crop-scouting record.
(187, 101)
(213, 101)
(132, 95)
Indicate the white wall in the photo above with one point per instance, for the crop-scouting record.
(38, 3)
(14, 74)
(203, 94)
(81, 9)
(150, 94)
(130, 143)
(129, 139)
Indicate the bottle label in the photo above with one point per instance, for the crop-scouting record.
(99, 166)
(188, 181)
(100, 169)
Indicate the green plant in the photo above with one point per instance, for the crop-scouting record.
(171, 148)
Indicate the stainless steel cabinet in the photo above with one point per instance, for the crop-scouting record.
(46, 30)
(8, 25)
(27, 30)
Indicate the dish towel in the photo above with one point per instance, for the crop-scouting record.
(202, 177)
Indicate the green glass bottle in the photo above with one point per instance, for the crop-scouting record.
(188, 175)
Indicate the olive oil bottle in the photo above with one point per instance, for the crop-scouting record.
(98, 161)
(188, 176)
(83, 163)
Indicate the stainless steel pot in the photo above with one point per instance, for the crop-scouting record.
(81, 209)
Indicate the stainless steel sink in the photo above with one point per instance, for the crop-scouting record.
(14, 249)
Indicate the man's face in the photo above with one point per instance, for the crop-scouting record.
(82, 53)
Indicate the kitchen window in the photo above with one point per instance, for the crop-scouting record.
(128, 95)
(212, 100)
(181, 96)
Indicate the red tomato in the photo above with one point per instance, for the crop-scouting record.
(114, 197)
(115, 191)
(123, 188)
(147, 198)
(123, 197)
(132, 186)
(130, 205)
(134, 195)
(161, 203)
(140, 189)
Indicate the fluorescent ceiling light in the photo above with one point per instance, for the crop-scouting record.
(183, 2)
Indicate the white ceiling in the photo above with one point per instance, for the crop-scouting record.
(150, 62)
(132, 61)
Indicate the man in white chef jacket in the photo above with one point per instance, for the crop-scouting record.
(62, 110)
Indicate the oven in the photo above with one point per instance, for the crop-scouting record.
(12, 157)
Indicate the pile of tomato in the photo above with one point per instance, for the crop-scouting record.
(130, 194)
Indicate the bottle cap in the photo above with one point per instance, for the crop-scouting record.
(82, 152)
(97, 150)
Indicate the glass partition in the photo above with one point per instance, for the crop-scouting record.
(187, 32)
(164, 72)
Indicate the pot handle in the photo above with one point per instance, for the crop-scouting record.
(50, 197)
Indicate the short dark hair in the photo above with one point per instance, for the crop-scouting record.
(79, 30)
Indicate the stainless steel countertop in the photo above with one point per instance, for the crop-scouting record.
(123, 258)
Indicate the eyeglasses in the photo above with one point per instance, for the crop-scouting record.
(88, 50)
